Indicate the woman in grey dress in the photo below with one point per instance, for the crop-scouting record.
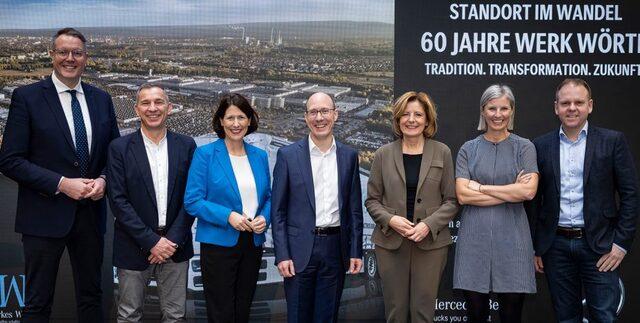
(495, 173)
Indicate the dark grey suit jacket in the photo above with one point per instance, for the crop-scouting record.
(608, 171)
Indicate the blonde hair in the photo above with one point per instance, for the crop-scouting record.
(400, 105)
(497, 91)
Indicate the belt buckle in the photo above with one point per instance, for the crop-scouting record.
(321, 232)
(579, 234)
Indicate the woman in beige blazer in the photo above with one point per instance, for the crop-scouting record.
(411, 197)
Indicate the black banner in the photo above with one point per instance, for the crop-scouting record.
(454, 50)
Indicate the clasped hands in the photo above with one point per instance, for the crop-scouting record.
(241, 222)
(406, 229)
(162, 251)
(83, 188)
(520, 179)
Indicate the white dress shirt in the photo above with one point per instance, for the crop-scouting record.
(324, 167)
(158, 156)
(246, 185)
(65, 101)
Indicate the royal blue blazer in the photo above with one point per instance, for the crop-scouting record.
(212, 192)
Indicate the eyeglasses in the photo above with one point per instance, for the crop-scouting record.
(324, 112)
(64, 53)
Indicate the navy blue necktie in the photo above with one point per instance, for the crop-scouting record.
(82, 144)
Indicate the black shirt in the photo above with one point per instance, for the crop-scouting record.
(412, 174)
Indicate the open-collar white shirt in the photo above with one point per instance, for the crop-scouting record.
(158, 156)
(324, 166)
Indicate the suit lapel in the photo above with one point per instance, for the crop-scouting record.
(53, 100)
(304, 159)
(555, 159)
(592, 138)
(174, 154)
(222, 157)
(93, 115)
(397, 158)
(142, 162)
(427, 158)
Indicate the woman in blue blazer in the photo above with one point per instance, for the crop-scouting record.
(228, 191)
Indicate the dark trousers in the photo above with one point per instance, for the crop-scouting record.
(570, 266)
(229, 275)
(313, 295)
(42, 258)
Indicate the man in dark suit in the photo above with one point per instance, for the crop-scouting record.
(147, 173)
(54, 147)
(581, 234)
(316, 213)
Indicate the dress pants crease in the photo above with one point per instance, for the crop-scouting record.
(229, 276)
(171, 282)
(313, 295)
(410, 281)
(42, 259)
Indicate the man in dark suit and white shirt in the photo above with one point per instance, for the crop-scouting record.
(316, 214)
(54, 146)
(581, 233)
(147, 173)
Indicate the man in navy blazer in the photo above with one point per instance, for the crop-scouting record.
(55, 145)
(316, 213)
(147, 173)
(581, 234)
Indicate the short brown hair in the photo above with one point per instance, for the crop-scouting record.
(576, 82)
(427, 104)
(239, 101)
(68, 31)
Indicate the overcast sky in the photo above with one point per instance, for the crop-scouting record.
(36, 14)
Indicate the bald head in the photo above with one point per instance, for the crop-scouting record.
(320, 100)
(320, 116)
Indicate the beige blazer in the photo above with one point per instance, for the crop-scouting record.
(436, 202)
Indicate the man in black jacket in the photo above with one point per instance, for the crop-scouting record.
(147, 172)
(581, 234)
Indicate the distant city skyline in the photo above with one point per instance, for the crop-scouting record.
(46, 14)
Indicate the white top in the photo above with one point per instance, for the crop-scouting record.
(246, 184)
(65, 101)
(324, 167)
(158, 156)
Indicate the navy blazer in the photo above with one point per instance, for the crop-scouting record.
(37, 149)
(293, 204)
(608, 170)
(212, 193)
(133, 200)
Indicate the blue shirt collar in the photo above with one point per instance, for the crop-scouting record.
(583, 133)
